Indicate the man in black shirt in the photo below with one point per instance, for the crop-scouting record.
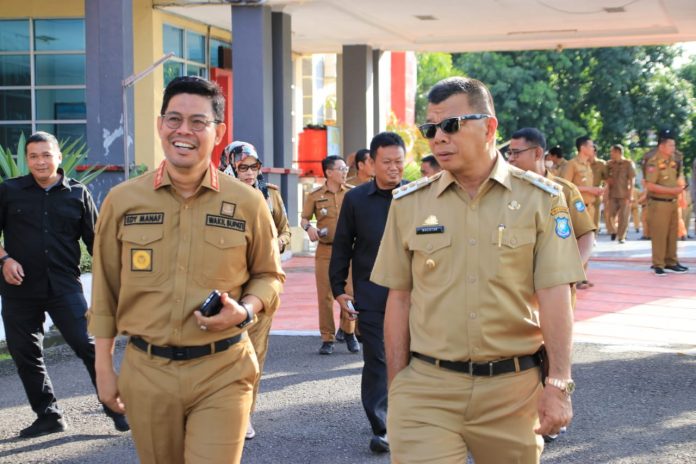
(358, 234)
(43, 215)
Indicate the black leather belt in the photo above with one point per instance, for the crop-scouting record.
(183, 353)
(668, 200)
(489, 369)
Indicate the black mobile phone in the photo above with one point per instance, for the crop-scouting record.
(212, 305)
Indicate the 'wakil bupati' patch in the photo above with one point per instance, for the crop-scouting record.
(225, 222)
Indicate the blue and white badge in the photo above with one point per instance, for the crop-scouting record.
(580, 206)
(562, 227)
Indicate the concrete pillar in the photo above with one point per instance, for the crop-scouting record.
(252, 65)
(282, 111)
(109, 52)
(357, 97)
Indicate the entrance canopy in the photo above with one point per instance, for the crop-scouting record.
(325, 26)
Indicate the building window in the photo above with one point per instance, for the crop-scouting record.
(191, 55)
(42, 78)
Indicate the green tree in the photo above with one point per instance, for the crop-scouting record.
(432, 68)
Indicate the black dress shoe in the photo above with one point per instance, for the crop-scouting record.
(340, 336)
(676, 268)
(120, 422)
(44, 426)
(379, 444)
(326, 348)
(352, 343)
(613, 237)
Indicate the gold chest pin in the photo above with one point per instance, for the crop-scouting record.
(514, 205)
(430, 221)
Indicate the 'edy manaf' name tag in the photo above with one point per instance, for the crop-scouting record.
(430, 230)
(225, 222)
(143, 218)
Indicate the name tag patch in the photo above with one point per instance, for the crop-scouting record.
(143, 218)
(438, 229)
(141, 259)
(225, 222)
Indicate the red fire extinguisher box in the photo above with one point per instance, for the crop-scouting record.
(312, 149)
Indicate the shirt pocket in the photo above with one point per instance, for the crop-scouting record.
(223, 263)
(143, 256)
(67, 221)
(513, 251)
(432, 259)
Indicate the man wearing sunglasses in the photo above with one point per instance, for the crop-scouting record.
(241, 159)
(478, 262)
(324, 203)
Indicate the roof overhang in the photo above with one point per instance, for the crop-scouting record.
(325, 26)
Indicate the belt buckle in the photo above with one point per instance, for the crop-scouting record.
(471, 368)
(180, 353)
(490, 368)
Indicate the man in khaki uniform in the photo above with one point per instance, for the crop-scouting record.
(559, 161)
(620, 180)
(599, 176)
(579, 172)
(364, 168)
(473, 296)
(526, 152)
(164, 240)
(324, 203)
(664, 185)
(241, 160)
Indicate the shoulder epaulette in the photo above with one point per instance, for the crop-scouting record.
(415, 185)
(272, 186)
(541, 182)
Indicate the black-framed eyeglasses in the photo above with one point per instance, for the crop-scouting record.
(196, 123)
(513, 153)
(449, 125)
(247, 167)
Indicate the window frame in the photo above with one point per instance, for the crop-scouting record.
(33, 87)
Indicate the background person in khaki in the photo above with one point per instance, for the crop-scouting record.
(620, 181)
(663, 185)
(241, 160)
(526, 151)
(599, 176)
(559, 162)
(364, 167)
(579, 171)
(324, 203)
(476, 292)
(163, 242)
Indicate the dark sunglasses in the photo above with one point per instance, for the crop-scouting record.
(449, 125)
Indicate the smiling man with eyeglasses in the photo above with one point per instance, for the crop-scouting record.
(324, 203)
(164, 241)
(478, 260)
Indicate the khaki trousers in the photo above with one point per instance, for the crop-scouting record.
(327, 326)
(258, 334)
(436, 416)
(618, 211)
(662, 218)
(190, 411)
(596, 207)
